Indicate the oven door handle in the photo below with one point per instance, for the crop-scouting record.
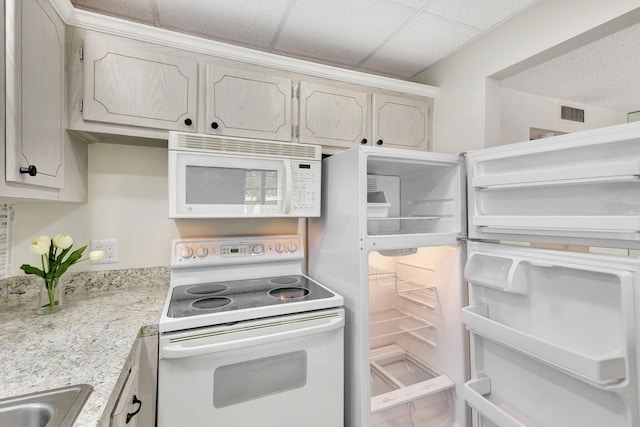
(185, 348)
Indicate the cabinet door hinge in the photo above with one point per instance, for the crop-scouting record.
(81, 105)
(81, 53)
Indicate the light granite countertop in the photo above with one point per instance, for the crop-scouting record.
(87, 342)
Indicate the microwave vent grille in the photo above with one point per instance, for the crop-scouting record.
(247, 147)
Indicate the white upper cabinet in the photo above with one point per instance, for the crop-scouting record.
(141, 85)
(344, 117)
(248, 104)
(332, 116)
(124, 87)
(35, 107)
(400, 122)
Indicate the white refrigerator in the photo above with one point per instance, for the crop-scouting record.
(473, 293)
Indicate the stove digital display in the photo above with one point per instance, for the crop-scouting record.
(235, 251)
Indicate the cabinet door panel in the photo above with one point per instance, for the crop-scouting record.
(242, 103)
(35, 97)
(400, 122)
(332, 116)
(141, 87)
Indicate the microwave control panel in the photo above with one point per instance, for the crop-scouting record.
(305, 197)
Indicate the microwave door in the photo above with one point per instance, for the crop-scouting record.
(225, 186)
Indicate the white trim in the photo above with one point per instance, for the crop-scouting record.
(147, 33)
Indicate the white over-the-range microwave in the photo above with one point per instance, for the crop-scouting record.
(225, 177)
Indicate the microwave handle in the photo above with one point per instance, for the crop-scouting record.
(288, 183)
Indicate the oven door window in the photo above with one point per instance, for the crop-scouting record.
(229, 186)
(252, 379)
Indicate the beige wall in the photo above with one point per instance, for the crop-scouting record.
(520, 111)
(127, 201)
(466, 114)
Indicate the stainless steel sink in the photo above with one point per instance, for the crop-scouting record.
(51, 408)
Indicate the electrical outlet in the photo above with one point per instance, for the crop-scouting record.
(110, 248)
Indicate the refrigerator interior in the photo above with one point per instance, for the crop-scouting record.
(414, 329)
(412, 196)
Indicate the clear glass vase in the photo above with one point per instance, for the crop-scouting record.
(50, 297)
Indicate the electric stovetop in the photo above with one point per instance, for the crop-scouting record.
(226, 296)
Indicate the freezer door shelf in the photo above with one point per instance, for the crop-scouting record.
(398, 378)
(579, 188)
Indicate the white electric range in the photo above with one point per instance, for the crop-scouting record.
(246, 338)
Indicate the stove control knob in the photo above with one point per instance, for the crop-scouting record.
(186, 252)
(258, 249)
(280, 247)
(292, 247)
(202, 252)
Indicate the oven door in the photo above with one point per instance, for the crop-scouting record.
(219, 186)
(285, 370)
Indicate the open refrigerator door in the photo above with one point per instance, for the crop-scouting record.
(445, 330)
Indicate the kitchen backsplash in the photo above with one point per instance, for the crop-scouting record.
(18, 289)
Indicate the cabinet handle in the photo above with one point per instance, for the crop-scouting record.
(214, 125)
(379, 142)
(188, 122)
(31, 170)
(364, 141)
(134, 413)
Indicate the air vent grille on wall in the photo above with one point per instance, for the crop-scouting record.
(572, 114)
(243, 147)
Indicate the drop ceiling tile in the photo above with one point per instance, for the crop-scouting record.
(479, 14)
(413, 4)
(249, 23)
(139, 11)
(423, 41)
(340, 31)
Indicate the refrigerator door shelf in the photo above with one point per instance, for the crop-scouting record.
(513, 390)
(599, 369)
(475, 392)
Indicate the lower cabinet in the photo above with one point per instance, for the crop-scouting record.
(136, 404)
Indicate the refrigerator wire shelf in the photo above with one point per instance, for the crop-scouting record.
(420, 293)
(390, 322)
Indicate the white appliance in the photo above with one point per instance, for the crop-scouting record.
(225, 177)
(246, 339)
(534, 336)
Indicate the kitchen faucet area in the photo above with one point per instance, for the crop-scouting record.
(373, 213)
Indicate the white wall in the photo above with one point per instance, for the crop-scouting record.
(520, 111)
(128, 201)
(466, 112)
